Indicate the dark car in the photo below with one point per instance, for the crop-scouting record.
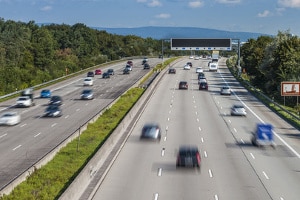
(188, 156)
(126, 70)
(129, 62)
(53, 111)
(105, 75)
(183, 85)
(172, 71)
(151, 131)
(190, 64)
(203, 86)
(146, 66)
(87, 94)
(90, 74)
(201, 75)
(55, 100)
(45, 93)
(111, 72)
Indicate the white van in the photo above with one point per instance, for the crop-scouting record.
(213, 66)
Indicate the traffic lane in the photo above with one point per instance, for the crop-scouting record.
(276, 164)
(27, 147)
(181, 135)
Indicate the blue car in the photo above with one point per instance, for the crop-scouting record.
(45, 94)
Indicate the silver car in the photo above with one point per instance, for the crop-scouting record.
(225, 90)
(238, 110)
(151, 132)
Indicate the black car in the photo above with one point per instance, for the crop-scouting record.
(53, 111)
(111, 72)
(105, 75)
(55, 100)
(87, 94)
(201, 75)
(126, 70)
(172, 71)
(90, 74)
(203, 86)
(151, 131)
(183, 85)
(146, 66)
(188, 156)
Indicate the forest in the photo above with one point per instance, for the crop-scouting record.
(31, 54)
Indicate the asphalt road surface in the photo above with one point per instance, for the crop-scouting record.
(24, 144)
(231, 167)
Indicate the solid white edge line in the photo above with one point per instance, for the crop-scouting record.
(3, 135)
(265, 174)
(17, 147)
(251, 154)
(210, 173)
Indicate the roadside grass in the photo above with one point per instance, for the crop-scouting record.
(51, 180)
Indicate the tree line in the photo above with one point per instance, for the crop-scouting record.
(32, 54)
(267, 61)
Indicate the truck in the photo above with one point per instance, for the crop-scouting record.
(215, 56)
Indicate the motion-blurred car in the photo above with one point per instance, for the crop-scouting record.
(24, 101)
(53, 111)
(191, 57)
(55, 100)
(88, 81)
(190, 64)
(151, 131)
(87, 95)
(225, 90)
(90, 74)
(201, 75)
(129, 67)
(197, 58)
(146, 66)
(10, 119)
(202, 80)
(203, 86)
(98, 72)
(199, 69)
(187, 67)
(126, 70)
(45, 94)
(183, 85)
(111, 72)
(172, 71)
(129, 62)
(238, 110)
(188, 156)
(105, 75)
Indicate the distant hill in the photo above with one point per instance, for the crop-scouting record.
(180, 32)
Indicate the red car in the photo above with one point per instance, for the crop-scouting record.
(98, 72)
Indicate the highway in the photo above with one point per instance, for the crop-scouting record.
(231, 167)
(21, 146)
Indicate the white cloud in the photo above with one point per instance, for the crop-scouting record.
(229, 1)
(154, 3)
(141, 1)
(195, 4)
(163, 16)
(265, 13)
(46, 8)
(289, 3)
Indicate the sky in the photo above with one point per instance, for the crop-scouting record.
(258, 16)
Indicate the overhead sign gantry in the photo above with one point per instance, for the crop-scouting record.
(201, 44)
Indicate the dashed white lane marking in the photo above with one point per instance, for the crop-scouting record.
(17, 147)
(168, 118)
(156, 196)
(242, 141)
(202, 139)
(159, 172)
(205, 154)
(216, 197)
(78, 109)
(199, 128)
(163, 152)
(210, 173)
(23, 125)
(67, 116)
(251, 154)
(165, 139)
(229, 121)
(1, 136)
(234, 130)
(265, 174)
(37, 134)
(53, 124)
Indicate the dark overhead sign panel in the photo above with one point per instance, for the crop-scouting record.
(200, 44)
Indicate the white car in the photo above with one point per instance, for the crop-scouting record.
(187, 67)
(191, 57)
(199, 69)
(225, 90)
(88, 81)
(24, 101)
(10, 119)
(238, 110)
(197, 58)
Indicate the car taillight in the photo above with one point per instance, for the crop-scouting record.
(198, 158)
